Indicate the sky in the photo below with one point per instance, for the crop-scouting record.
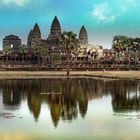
(103, 19)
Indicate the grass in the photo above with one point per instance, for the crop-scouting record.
(134, 75)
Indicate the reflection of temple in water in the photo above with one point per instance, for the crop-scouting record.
(11, 99)
(34, 105)
(11, 96)
(68, 97)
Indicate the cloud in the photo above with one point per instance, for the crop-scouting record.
(127, 4)
(16, 2)
(103, 12)
(110, 11)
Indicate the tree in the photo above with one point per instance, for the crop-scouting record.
(7, 50)
(121, 43)
(40, 49)
(55, 57)
(23, 49)
(77, 51)
(69, 43)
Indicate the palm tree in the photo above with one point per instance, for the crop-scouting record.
(69, 43)
(55, 58)
(7, 50)
(23, 49)
(76, 52)
(44, 50)
(40, 49)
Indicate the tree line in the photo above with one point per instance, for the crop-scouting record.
(123, 43)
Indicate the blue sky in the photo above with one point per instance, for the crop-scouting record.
(102, 18)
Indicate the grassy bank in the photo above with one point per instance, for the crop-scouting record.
(134, 75)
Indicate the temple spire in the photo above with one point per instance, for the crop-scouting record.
(36, 29)
(55, 28)
(34, 36)
(83, 36)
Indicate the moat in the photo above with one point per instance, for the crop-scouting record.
(69, 109)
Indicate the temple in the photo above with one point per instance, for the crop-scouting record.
(12, 41)
(53, 57)
(52, 41)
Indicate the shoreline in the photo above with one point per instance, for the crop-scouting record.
(126, 75)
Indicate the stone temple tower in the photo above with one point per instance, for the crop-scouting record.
(55, 28)
(34, 36)
(83, 36)
(55, 32)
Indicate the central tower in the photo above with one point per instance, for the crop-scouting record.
(55, 28)
(55, 32)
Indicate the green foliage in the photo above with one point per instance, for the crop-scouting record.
(120, 43)
(69, 41)
(55, 56)
(41, 48)
(23, 49)
(7, 50)
(124, 43)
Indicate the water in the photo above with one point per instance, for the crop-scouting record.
(69, 109)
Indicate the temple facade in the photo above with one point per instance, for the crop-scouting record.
(12, 41)
(52, 41)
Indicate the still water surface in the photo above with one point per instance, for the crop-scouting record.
(69, 109)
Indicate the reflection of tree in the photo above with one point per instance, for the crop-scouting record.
(125, 96)
(69, 108)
